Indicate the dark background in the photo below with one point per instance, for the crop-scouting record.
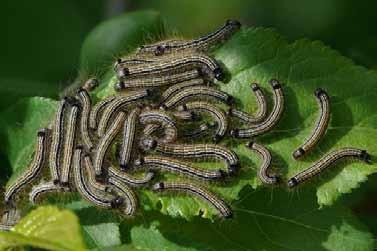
(40, 41)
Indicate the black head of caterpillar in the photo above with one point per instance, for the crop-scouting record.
(148, 143)
(91, 84)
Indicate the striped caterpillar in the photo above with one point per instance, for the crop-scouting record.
(321, 125)
(266, 163)
(32, 170)
(326, 162)
(201, 44)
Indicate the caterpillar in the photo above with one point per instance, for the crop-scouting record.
(217, 114)
(6, 227)
(176, 166)
(129, 131)
(105, 142)
(196, 92)
(195, 151)
(162, 118)
(129, 179)
(201, 130)
(131, 61)
(10, 218)
(100, 106)
(33, 169)
(184, 115)
(173, 65)
(91, 176)
(263, 173)
(43, 187)
(90, 84)
(126, 193)
(326, 162)
(202, 43)
(115, 105)
(262, 108)
(270, 121)
(178, 87)
(86, 104)
(69, 144)
(198, 191)
(56, 140)
(323, 100)
(156, 81)
(104, 201)
(149, 129)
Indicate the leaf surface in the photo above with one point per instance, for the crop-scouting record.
(48, 228)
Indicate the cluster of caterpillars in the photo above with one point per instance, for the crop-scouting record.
(166, 115)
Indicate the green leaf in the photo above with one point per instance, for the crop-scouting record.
(102, 235)
(116, 36)
(279, 222)
(47, 228)
(54, 32)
